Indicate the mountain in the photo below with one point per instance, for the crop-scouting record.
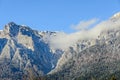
(99, 61)
(23, 50)
(93, 59)
(26, 54)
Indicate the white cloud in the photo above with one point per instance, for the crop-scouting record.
(63, 40)
(84, 24)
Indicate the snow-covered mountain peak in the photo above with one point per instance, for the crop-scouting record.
(11, 29)
(11, 24)
(116, 16)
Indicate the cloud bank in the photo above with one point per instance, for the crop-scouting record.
(64, 41)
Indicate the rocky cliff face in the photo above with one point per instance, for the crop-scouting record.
(23, 49)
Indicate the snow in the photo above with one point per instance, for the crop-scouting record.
(117, 15)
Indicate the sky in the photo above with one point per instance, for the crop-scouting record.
(55, 15)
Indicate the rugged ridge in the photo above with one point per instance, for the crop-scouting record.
(23, 49)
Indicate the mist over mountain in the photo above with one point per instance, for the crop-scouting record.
(83, 54)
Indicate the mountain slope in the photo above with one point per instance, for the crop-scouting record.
(23, 49)
(99, 60)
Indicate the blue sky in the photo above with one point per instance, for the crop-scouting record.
(55, 15)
